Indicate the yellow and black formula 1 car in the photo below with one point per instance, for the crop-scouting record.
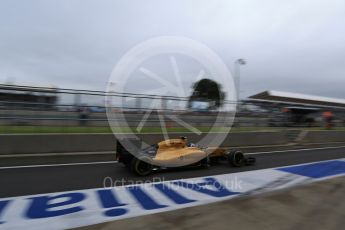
(176, 153)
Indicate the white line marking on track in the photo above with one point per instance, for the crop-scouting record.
(57, 165)
(114, 162)
(296, 150)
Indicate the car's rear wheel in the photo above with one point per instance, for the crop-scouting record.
(140, 167)
(236, 158)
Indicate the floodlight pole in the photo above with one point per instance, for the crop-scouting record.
(237, 71)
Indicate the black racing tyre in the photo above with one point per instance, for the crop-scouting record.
(236, 158)
(140, 167)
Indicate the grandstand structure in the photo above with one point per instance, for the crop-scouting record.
(298, 109)
(27, 96)
(280, 97)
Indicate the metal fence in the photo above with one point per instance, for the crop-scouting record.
(70, 110)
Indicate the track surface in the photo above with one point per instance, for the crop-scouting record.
(35, 180)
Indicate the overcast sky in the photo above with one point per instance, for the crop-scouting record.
(296, 45)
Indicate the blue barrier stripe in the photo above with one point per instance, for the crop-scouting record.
(317, 170)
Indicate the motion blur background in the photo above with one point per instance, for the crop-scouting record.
(69, 48)
(27, 109)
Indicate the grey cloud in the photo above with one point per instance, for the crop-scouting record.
(293, 46)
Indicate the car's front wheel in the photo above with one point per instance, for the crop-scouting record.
(236, 158)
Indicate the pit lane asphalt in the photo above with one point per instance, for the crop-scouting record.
(36, 180)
